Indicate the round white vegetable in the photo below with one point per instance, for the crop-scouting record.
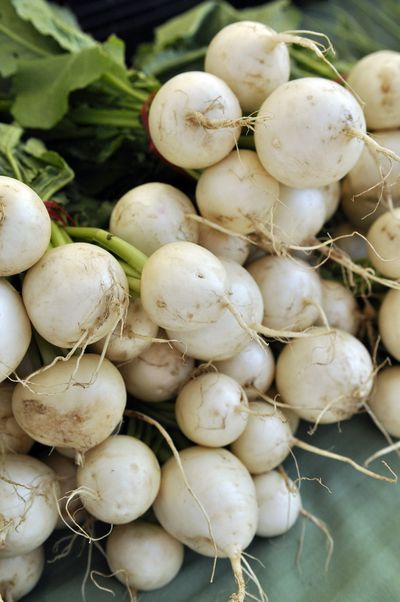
(15, 329)
(331, 194)
(376, 79)
(25, 227)
(211, 410)
(385, 400)
(76, 293)
(119, 479)
(153, 214)
(384, 244)
(279, 504)
(12, 437)
(290, 290)
(183, 286)
(340, 307)
(389, 322)
(250, 59)
(253, 368)
(325, 377)
(225, 246)
(28, 504)
(266, 440)
(76, 403)
(237, 192)
(143, 556)
(131, 338)
(65, 472)
(227, 493)
(20, 574)
(192, 120)
(158, 373)
(226, 336)
(302, 134)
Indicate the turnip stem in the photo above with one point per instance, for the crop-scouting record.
(345, 459)
(133, 257)
(58, 236)
(134, 285)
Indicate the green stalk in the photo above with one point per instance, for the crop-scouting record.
(110, 117)
(132, 256)
(134, 285)
(178, 61)
(129, 270)
(114, 81)
(58, 237)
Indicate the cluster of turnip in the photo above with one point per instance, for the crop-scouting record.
(180, 301)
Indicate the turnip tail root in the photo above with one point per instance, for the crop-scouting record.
(382, 452)
(327, 454)
(132, 593)
(239, 595)
(325, 530)
(168, 439)
(199, 119)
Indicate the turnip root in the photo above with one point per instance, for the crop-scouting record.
(253, 368)
(158, 373)
(76, 403)
(227, 494)
(225, 246)
(325, 377)
(385, 400)
(291, 292)
(305, 130)
(65, 472)
(237, 192)
(345, 238)
(279, 504)
(183, 286)
(228, 335)
(143, 556)
(194, 120)
(389, 322)
(119, 479)
(131, 338)
(28, 504)
(384, 244)
(153, 214)
(12, 437)
(340, 307)
(20, 574)
(376, 78)
(75, 295)
(15, 329)
(24, 227)
(249, 57)
(211, 410)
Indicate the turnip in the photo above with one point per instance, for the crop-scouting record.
(389, 322)
(266, 440)
(237, 192)
(385, 400)
(306, 132)
(183, 286)
(376, 78)
(75, 294)
(143, 556)
(20, 574)
(158, 373)
(131, 338)
(291, 292)
(340, 307)
(15, 329)
(384, 244)
(25, 227)
(234, 329)
(12, 437)
(194, 120)
(325, 377)
(279, 504)
(153, 214)
(227, 494)
(253, 368)
(211, 410)
(119, 479)
(331, 194)
(225, 246)
(70, 508)
(28, 504)
(76, 403)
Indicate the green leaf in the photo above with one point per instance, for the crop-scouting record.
(116, 49)
(51, 22)
(43, 86)
(20, 40)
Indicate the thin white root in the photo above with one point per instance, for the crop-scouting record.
(240, 594)
(131, 592)
(325, 529)
(199, 119)
(327, 454)
(382, 452)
